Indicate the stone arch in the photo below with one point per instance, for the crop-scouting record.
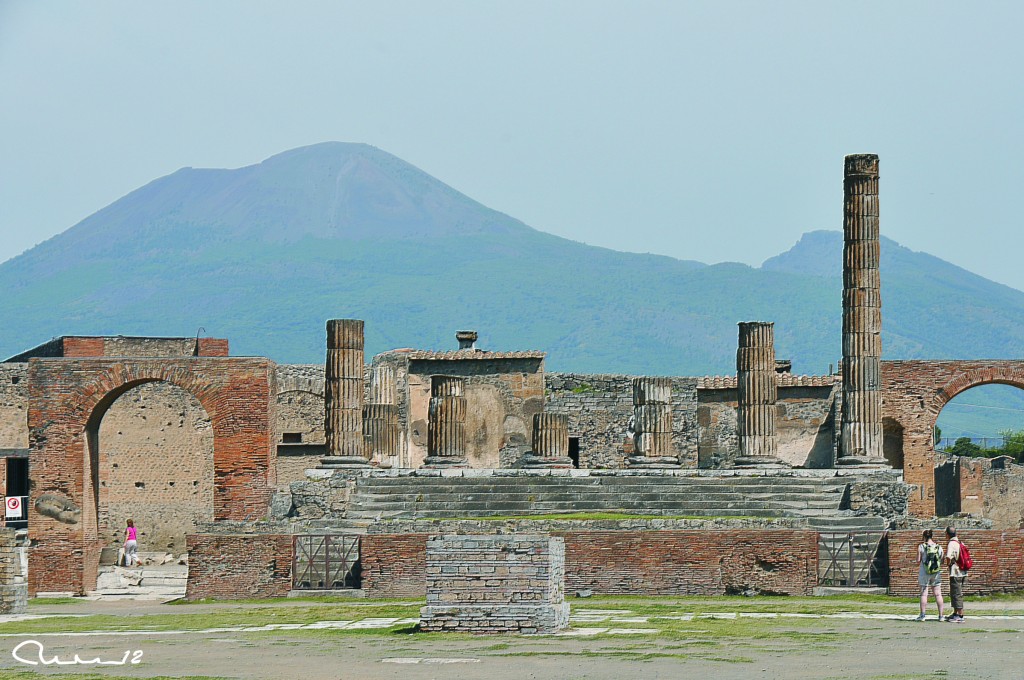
(914, 393)
(67, 401)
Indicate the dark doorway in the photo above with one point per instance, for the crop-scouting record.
(947, 488)
(17, 485)
(574, 451)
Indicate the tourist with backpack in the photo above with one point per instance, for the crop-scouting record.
(929, 574)
(959, 559)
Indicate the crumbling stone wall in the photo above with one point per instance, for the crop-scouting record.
(299, 410)
(600, 406)
(13, 589)
(13, 406)
(993, 489)
(156, 467)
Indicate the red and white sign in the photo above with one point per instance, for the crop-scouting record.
(13, 505)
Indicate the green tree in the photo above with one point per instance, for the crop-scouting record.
(963, 446)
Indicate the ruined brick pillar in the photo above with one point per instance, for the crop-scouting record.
(652, 424)
(757, 391)
(550, 442)
(860, 438)
(343, 395)
(380, 418)
(446, 423)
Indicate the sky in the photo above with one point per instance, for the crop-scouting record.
(711, 131)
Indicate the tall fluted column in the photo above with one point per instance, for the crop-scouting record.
(757, 390)
(343, 395)
(860, 438)
(446, 423)
(550, 442)
(380, 418)
(652, 424)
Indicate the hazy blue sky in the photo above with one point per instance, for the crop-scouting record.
(702, 130)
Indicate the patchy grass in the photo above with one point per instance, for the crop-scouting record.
(228, 618)
(33, 675)
(44, 601)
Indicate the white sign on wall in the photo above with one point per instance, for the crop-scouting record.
(13, 505)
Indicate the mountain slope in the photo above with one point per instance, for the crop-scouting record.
(264, 254)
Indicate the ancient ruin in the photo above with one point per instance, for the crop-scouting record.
(267, 478)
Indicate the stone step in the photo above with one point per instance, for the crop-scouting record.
(506, 494)
(585, 482)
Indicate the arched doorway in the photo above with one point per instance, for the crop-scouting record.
(155, 465)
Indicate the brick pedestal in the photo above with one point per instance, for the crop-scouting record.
(495, 584)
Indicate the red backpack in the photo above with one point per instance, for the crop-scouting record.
(963, 559)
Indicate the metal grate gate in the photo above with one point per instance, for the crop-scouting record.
(853, 560)
(325, 562)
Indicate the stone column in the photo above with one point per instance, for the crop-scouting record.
(860, 438)
(380, 418)
(757, 391)
(550, 442)
(446, 423)
(652, 424)
(343, 395)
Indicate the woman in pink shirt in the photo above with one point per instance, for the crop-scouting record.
(131, 546)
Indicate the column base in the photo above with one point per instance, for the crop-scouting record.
(343, 463)
(444, 462)
(653, 462)
(760, 463)
(862, 462)
(532, 461)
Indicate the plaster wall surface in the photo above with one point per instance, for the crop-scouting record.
(156, 467)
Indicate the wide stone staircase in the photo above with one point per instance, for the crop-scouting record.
(518, 496)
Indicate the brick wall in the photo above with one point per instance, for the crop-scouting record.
(156, 467)
(394, 565)
(914, 392)
(67, 399)
(599, 408)
(13, 406)
(239, 566)
(998, 561)
(685, 562)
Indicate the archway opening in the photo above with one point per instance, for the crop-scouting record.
(983, 421)
(892, 442)
(153, 461)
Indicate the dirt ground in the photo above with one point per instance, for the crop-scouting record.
(809, 647)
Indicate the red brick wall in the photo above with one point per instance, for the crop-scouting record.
(239, 566)
(67, 399)
(212, 347)
(691, 562)
(84, 347)
(914, 393)
(394, 565)
(998, 561)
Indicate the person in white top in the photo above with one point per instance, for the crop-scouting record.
(956, 576)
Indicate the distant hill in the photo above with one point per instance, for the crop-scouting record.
(263, 255)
